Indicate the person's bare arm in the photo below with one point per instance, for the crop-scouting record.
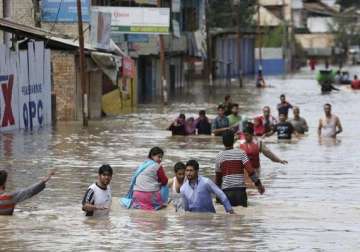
(270, 155)
(170, 182)
(32, 190)
(269, 134)
(90, 208)
(297, 134)
(319, 127)
(339, 126)
(217, 131)
(306, 126)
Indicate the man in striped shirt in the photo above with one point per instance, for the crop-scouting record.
(230, 165)
(9, 200)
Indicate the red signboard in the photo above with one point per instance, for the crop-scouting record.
(128, 67)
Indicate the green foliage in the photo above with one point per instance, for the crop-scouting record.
(220, 14)
(346, 31)
(273, 37)
(223, 14)
(348, 3)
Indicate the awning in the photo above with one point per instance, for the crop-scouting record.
(110, 64)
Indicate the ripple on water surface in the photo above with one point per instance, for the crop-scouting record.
(313, 203)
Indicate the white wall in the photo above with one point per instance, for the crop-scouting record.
(329, 2)
(319, 24)
(269, 53)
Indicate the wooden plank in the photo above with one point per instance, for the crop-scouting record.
(33, 73)
(24, 97)
(47, 88)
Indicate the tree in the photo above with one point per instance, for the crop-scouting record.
(347, 33)
(224, 13)
(344, 4)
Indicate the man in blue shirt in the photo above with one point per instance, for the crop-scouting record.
(196, 191)
(283, 107)
(221, 123)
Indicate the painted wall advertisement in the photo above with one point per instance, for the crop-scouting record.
(64, 10)
(25, 87)
(137, 20)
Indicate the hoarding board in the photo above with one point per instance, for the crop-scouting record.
(137, 20)
(64, 11)
(100, 30)
(25, 84)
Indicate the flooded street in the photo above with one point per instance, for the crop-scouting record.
(311, 204)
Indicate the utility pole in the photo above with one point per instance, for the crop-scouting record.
(238, 8)
(82, 66)
(37, 19)
(7, 15)
(208, 46)
(162, 66)
(259, 35)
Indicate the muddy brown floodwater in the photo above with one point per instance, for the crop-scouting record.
(311, 204)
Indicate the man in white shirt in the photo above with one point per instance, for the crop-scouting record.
(97, 199)
(330, 125)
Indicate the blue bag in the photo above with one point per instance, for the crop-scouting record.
(127, 200)
(164, 192)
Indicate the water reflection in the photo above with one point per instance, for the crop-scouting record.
(310, 204)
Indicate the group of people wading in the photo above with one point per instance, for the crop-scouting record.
(151, 189)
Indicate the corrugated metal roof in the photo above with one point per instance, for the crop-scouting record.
(320, 8)
(53, 39)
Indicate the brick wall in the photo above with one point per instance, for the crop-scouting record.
(67, 29)
(64, 83)
(22, 11)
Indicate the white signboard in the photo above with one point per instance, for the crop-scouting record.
(137, 19)
(175, 5)
(176, 28)
(25, 97)
(100, 30)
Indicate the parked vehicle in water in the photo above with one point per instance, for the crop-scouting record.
(325, 76)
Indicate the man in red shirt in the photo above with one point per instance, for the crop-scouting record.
(264, 123)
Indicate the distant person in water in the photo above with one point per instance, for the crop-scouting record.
(327, 87)
(260, 82)
(338, 77)
(284, 129)
(8, 200)
(221, 122)
(227, 105)
(202, 124)
(230, 166)
(253, 148)
(147, 190)
(97, 199)
(284, 106)
(178, 126)
(312, 64)
(235, 121)
(330, 125)
(197, 191)
(355, 83)
(300, 125)
(190, 126)
(175, 184)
